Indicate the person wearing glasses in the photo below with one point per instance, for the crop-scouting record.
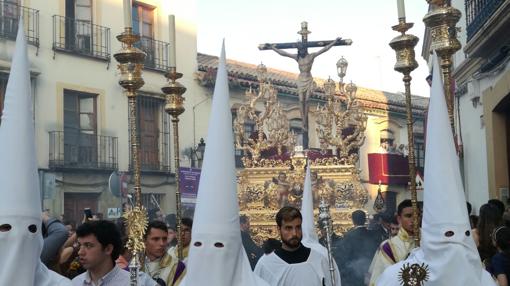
(186, 226)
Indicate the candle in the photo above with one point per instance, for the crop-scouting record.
(171, 30)
(401, 9)
(128, 23)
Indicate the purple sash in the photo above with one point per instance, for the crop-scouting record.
(178, 271)
(387, 249)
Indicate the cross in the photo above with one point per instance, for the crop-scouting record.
(304, 44)
(305, 84)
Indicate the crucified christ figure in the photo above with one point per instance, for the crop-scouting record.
(305, 82)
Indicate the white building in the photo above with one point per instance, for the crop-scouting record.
(81, 114)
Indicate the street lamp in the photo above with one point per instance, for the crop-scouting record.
(341, 69)
(196, 154)
(199, 152)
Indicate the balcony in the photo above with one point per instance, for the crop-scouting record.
(478, 12)
(9, 19)
(78, 150)
(81, 38)
(156, 54)
(388, 169)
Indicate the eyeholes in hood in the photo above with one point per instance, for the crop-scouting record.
(32, 228)
(450, 233)
(216, 244)
(5, 227)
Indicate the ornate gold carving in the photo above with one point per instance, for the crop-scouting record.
(401, 43)
(442, 22)
(265, 185)
(174, 107)
(131, 62)
(341, 113)
(136, 225)
(271, 125)
(262, 191)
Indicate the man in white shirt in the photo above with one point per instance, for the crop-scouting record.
(100, 245)
(293, 264)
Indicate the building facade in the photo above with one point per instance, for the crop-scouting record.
(482, 79)
(81, 114)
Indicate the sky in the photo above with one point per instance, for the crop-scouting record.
(246, 23)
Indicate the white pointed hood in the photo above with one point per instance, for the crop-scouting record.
(447, 246)
(20, 204)
(310, 237)
(446, 241)
(216, 256)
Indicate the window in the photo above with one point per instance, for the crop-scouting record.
(143, 24)
(152, 201)
(154, 130)
(80, 128)
(10, 15)
(419, 151)
(143, 20)
(78, 25)
(296, 127)
(3, 87)
(83, 17)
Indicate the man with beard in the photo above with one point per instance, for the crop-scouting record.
(293, 264)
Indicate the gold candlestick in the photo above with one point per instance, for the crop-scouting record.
(175, 107)
(441, 21)
(406, 63)
(131, 61)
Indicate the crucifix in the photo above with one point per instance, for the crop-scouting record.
(305, 83)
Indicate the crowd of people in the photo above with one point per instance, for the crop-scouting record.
(96, 250)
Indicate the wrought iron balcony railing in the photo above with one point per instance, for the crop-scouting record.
(75, 149)
(478, 12)
(156, 53)
(9, 19)
(81, 38)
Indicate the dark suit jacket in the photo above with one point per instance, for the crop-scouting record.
(252, 250)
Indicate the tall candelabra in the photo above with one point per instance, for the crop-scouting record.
(175, 106)
(131, 61)
(341, 112)
(441, 21)
(404, 47)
